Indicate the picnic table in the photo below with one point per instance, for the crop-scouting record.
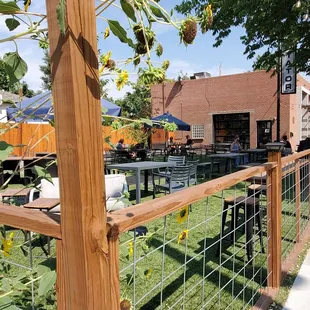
(229, 157)
(138, 167)
(254, 153)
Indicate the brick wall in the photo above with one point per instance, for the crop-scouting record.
(195, 101)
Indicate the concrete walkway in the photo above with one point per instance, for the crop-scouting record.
(298, 298)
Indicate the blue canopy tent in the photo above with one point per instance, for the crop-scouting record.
(171, 119)
(40, 108)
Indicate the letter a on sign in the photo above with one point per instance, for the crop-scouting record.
(288, 74)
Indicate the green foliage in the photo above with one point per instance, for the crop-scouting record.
(151, 75)
(12, 23)
(158, 13)
(61, 16)
(137, 103)
(15, 291)
(45, 68)
(15, 66)
(120, 32)
(128, 9)
(47, 282)
(8, 7)
(271, 27)
(41, 173)
(5, 150)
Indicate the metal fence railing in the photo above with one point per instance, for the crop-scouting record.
(210, 254)
(295, 202)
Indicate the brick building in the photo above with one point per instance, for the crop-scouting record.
(217, 108)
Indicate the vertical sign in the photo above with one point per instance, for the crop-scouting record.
(288, 74)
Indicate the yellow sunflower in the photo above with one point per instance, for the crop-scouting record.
(122, 79)
(209, 10)
(148, 273)
(130, 249)
(7, 244)
(182, 215)
(101, 69)
(106, 33)
(26, 4)
(183, 235)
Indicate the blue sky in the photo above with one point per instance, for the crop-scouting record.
(201, 56)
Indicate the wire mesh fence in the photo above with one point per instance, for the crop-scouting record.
(211, 254)
(27, 264)
(295, 202)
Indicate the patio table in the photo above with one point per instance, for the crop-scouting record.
(254, 153)
(43, 204)
(229, 157)
(137, 167)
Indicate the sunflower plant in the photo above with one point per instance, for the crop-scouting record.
(142, 15)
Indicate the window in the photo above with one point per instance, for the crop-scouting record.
(198, 131)
(226, 126)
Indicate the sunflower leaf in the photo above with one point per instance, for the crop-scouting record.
(120, 32)
(12, 23)
(8, 7)
(128, 9)
(5, 150)
(15, 66)
(158, 13)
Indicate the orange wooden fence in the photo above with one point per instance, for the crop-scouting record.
(34, 138)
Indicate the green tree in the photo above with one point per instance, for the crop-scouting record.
(45, 68)
(14, 88)
(272, 27)
(46, 77)
(4, 78)
(137, 103)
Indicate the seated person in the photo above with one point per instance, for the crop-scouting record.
(235, 147)
(123, 152)
(171, 146)
(140, 151)
(120, 145)
(189, 142)
(287, 143)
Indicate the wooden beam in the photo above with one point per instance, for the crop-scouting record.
(114, 272)
(134, 216)
(275, 216)
(76, 97)
(288, 159)
(32, 220)
(60, 283)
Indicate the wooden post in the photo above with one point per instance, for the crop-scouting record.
(60, 284)
(297, 195)
(114, 272)
(275, 215)
(76, 98)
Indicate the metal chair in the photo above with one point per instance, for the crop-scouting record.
(176, 180)
(179, 160)
(193, 172)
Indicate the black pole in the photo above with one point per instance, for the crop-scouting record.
(278, 101)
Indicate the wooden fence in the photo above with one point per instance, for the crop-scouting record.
(35, 138)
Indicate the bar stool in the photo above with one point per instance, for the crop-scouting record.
(249, 205)
(257, 189)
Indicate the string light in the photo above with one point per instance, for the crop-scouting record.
(306, 16)
(298, 4)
